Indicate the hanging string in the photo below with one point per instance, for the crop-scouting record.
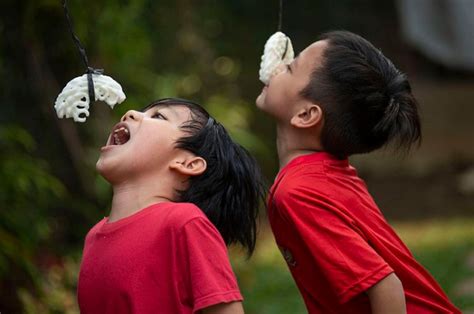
(280, 16)
(82, 52)
(280, 25)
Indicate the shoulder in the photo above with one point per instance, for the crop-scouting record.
(97, 227)
(193, 227)
(90, 234)
(307, 190)
(177, 215)
(305, 177)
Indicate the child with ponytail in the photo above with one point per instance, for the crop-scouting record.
(341, 96)
(183, 190)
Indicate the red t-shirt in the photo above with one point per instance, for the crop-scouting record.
(337, 243)
(166, 258)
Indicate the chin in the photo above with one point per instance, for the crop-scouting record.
(260, 101)
(106, 170)
(264, 106)
(101, 169)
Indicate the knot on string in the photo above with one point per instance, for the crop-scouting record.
(82, 52)
(90, 81)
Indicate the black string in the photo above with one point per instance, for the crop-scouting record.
(82, 52)
(280, 16)
(286, 48)
(76, 40)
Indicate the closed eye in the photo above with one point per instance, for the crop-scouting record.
(159, 115)
(289, 68)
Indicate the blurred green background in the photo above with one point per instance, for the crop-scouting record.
(208, 51)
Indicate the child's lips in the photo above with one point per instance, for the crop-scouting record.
(107, 148)
(109, 145)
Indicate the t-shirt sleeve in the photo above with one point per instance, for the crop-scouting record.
(336, 246)
(208, 274)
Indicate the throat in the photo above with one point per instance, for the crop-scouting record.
(292, 144)
(130, 199)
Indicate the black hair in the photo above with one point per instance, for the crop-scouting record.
(366, 101)
(231, 188)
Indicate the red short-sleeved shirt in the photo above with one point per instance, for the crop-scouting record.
(166, 258)
(337, 243)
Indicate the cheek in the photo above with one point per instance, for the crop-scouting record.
(274, 95)
(151, 150)
(277, 100)
(145, 155)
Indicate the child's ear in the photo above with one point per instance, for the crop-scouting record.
(308, 116)
(190, 166)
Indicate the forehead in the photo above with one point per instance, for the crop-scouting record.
(312, 56)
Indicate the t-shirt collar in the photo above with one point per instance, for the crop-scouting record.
(311, 158)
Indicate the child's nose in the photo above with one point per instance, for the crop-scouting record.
(131, 115)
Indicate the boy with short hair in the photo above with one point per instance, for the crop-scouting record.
(341, 96)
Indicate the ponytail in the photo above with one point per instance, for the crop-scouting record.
(400, 121)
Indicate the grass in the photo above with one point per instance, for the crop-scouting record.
(441, 246)
(444, 248)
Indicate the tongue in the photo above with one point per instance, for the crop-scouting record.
(121, 137)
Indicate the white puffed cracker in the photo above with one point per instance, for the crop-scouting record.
(278, 49)
(73, 101)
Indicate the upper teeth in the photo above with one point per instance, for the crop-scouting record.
(121, 129)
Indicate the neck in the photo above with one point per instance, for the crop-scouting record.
(291, 144)
(132, 196)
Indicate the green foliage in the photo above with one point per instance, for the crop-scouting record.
(236, 116)
(449, 266)
(27, 189)
(269, 288)
(446, 249)
(206, 51)
(56, 293)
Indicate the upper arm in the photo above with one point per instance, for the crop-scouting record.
(224, 308)
(207, 274)
(387, 296)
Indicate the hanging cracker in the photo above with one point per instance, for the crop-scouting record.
(73, 101)
(75, 98)
(278, 49)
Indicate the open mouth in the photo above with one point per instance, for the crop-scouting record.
(120, 135)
